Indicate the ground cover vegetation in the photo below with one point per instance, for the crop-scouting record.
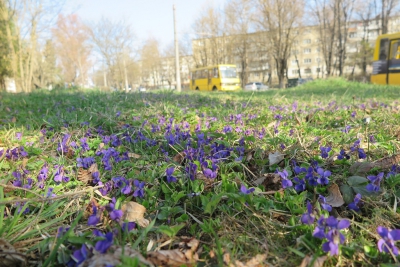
(307, 176)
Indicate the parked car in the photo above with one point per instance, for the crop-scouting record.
(256, 86)
(142, 89)
(303, 81)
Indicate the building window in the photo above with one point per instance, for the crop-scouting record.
(295, 52)
(307, 60)
(295, 42)
(318, 70)
(294, 61)
(307, 71)
(295, 71)
(318, 59)
(352, 35)
(318, 50)
(307, 41)
(307, 50)
(318, 41)
(307, 31)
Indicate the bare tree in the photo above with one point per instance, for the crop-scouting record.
(325, 17)
(387, 9)
(151, 61)
(238, 21)
(113, 42)
(28, 21)
(46, 73)
(344, 10)
(211, 40)
(73, 48)
(280, 19)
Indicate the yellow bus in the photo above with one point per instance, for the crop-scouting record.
(213, 78)
(386, 61)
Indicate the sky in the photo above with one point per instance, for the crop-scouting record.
(148, 18)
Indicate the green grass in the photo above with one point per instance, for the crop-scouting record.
(330, 113)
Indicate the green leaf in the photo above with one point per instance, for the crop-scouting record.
(347, 193)
(212, 204)
(363, 191)
(357, 181)
(170, 231)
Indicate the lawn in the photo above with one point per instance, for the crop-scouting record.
(287, 177)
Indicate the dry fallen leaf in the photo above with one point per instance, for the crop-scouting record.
(134, 212)
(9, 257)
(335, 198)
(275, 158)
(256, 261)
(85, 176)
(319, 262)
(387, 162)
(185, 254)
(361, 167)
(179, 157)
(134, 155)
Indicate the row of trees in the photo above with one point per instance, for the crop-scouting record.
(279, 24)
(40, 47)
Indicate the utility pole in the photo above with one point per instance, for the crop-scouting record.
(177, 68)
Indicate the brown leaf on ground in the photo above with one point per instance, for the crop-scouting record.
(256, 261)
(335, 198)
(179, 157)
(270, 181)
(319, 262)
(7, 190)
(361, 167)
(9, 256)
(14, 120)
(70, 153)
(85, 176)
(134, 212)
(387, 162)
(275, 158)
(134, 155)
(185, 254)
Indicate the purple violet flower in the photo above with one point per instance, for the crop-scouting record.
(325, 151)
(308, 217)
(356, 204)
(324, 205)
(323, 176)
(93, 219)
(103, 245)
(386, 243)
(244, 190)
(139, 188)
(374, 186)
(169, 172)
(285, 181)
(80, 255)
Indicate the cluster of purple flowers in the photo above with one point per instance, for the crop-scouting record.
(125, 185)
(313, 175)
(111, 153)
(355, 148)
(85, 162)
(63, 146)
(20, 178)
(60, 176)
(15, 153)
(325, 151)
(327, 228)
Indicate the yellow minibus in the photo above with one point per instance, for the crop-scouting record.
(386, 61)
(222, 77)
